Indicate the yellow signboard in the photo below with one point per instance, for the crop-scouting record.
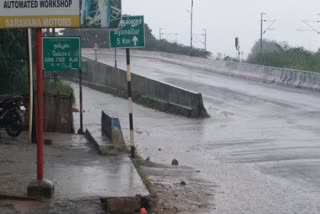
(39, 14)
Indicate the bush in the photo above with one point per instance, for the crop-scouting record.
(60, 88)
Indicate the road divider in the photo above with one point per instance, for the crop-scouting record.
(108, 141)
(283, 76)
(111, 127)
(145, 91)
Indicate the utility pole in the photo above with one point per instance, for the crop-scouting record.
(205, 39)
(237, 45)
(160, 33)
(261, 33)
(191, 36)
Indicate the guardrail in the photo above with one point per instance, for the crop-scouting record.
(289, 77)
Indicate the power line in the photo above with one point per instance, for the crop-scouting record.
(311, 27)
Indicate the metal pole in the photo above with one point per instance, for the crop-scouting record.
(261, 33)
(205, 39)
(191, 36)
(160, 33)
(130, 103)
(81, 102)
(39, 108)
(115, 58)
(95, 48)
(30, 85)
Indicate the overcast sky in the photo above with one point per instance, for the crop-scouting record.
(226, 19)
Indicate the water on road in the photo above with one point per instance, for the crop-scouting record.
(261, 146)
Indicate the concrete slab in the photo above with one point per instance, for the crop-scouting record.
(41, 189)
(74, 165)
(104, 144)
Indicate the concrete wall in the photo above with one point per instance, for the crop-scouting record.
(169, 97)
(111, 127)
(289, 77)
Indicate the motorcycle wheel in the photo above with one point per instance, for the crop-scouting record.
(14, 125)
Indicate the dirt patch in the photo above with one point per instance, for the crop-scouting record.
(178, 189)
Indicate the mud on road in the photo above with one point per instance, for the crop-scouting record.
(178, 189)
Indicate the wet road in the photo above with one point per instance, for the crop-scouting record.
(261, 147)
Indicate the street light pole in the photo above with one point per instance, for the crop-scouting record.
(191, 36)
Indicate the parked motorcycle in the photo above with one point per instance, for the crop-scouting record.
(12, 113)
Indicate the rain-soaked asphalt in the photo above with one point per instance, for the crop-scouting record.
(261, 146)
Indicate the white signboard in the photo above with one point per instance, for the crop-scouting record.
(39, 13)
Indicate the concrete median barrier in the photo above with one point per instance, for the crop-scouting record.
(152, 93)
(283, 76)
(111, 127)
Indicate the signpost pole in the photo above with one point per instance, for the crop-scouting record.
(81, 105)
(95, 48)
(115, 58)
(30, 86)
(130, 103)
(39, 108)
(40, 188)
(123, 39)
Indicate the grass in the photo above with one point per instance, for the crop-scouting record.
(138, 163)
(59, 88)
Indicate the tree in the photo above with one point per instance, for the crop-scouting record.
(89, 36)
(13, 61)
(282, 55)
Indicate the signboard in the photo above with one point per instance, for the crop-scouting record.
(60, 13)
(61, 53)
(131, 34)
(100, 13)
(39, 13)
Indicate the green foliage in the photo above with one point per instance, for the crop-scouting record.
(58, 87)
(13, 62)
(284, 56)
(138, 162)
(89, 36)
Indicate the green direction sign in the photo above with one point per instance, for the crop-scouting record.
(61, 53)
(131, 34)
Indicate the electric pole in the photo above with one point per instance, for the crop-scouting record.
(191, 36)
(160, 33)
(205, 38)
(261, 33)
(237, 45)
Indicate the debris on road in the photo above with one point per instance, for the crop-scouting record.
(174, 162)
